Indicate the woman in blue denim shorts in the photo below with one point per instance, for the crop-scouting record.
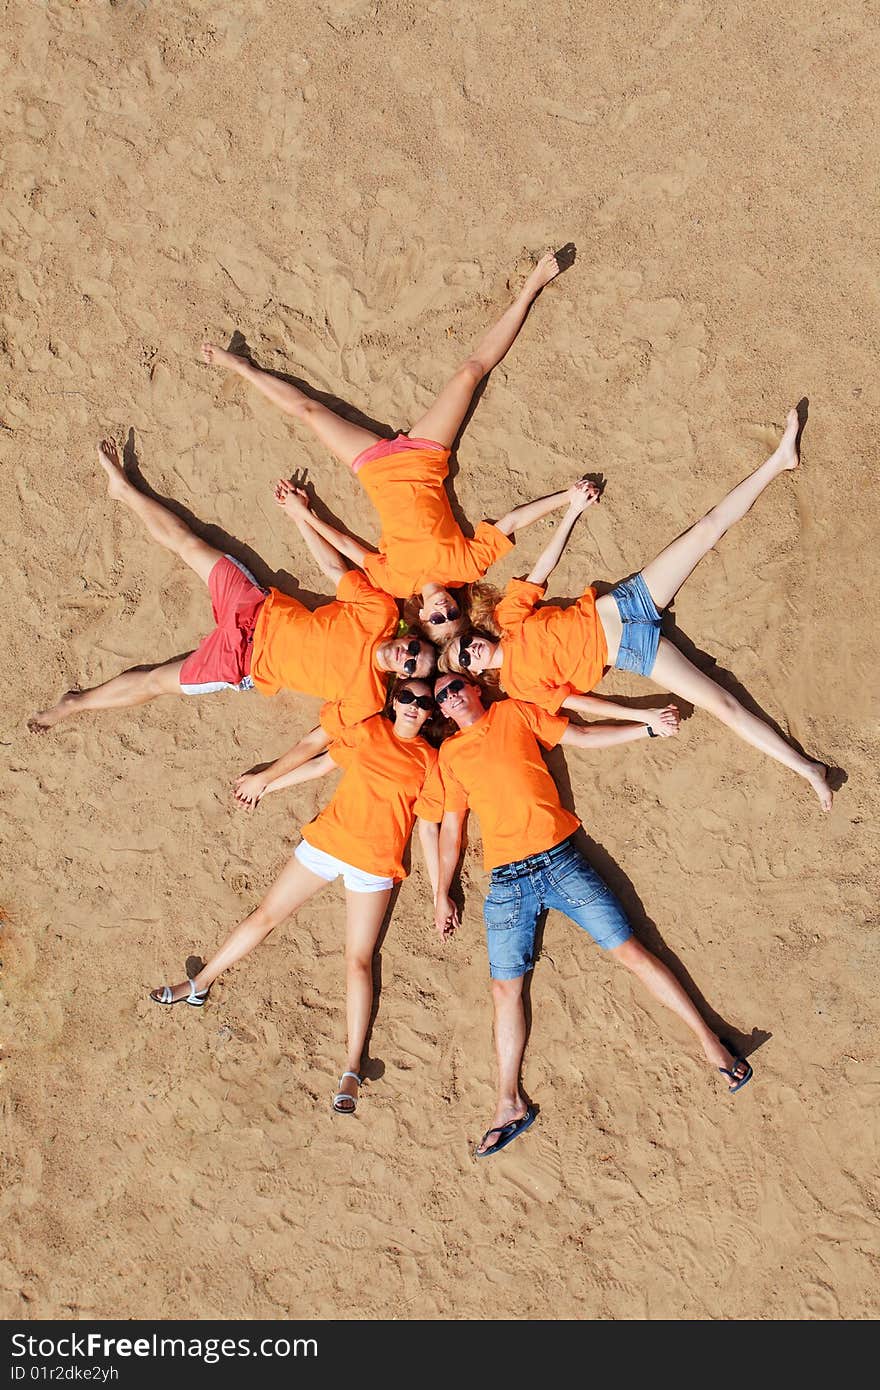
(551, 656)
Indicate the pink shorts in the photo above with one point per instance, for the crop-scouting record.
(222, 660)
(383, 447)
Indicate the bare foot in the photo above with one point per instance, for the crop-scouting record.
(220, 357)
(108, 457)
(786, 453)
(819, 782)
(507, 1113)
(48, 718)
(546, 270)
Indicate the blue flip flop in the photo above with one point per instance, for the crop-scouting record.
(506, 1133)
(737, 1061)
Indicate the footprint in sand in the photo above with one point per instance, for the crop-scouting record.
(820, 1302)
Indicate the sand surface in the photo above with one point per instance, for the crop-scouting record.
(352, 185)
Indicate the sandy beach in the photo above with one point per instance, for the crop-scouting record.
(354, 188)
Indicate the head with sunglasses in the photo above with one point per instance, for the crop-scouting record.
(410, 706)
(408, 655)
(440, 614)
(471, 653)
(458, 698)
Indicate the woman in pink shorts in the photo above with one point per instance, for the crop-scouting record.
(422, 551)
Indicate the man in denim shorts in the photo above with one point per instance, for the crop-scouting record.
(493, 766)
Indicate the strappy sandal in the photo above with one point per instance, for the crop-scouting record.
(351, 1107)
(731, 1072)
(196, 997)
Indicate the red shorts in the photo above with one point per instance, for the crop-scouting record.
(383, 447)
(222, 660)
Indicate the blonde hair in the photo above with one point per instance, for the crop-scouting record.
(448, 663)
(476, 603)
(483, 599)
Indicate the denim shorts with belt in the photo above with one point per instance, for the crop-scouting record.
(519, 892)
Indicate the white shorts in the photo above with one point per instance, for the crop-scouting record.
(328, 867)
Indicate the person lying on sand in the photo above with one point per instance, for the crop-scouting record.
(390, 782)
(493, 766)
(343, 651)
(422, 551)
(552, 656)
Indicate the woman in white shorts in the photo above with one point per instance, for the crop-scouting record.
(390, 782)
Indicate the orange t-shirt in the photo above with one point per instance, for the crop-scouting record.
(549, 653)
(495, 768)
(388, 781)
(421, 541)
(328, 652)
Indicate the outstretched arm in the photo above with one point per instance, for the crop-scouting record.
(609, 735)
(597, 707)
(446, 917)
(303, 757)
(429, 836)
(581, 496)
(295, 502)
(301, 511)
(533, 511)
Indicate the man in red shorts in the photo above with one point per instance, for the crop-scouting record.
(341, 652)
(493, 766)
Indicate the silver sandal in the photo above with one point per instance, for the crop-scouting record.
(196, 997)
(343, 1095)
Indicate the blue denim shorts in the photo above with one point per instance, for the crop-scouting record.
(641, 626)
(519, 893)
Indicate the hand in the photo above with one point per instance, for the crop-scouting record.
(446, 917)
(583, 494)
(665, 722)
(249, 789)
(293, 500)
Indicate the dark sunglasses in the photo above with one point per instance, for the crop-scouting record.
(406, 697)
(464, 656)
(438, 618)
(451, 689)
(412, 650)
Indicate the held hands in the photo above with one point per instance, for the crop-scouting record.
(446, 917)
(249, 789)
(583, 494)
(665, 722)
(293, 500)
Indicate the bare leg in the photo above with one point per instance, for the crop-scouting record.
(293, 887)
(510, 1042)
(443, 420)
(162, 524)
(662, 984)
(365, 913)
(675, 673)
(665, 575)
(145, 683)
(341, 437)
(135, 687)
